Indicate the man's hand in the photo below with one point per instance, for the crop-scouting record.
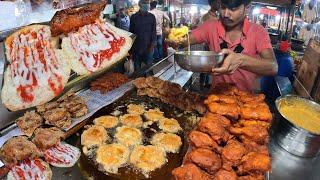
(230, 64)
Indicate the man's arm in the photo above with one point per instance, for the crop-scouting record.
(165, 16)
(264, 66)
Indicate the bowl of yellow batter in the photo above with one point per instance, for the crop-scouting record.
(298, 131)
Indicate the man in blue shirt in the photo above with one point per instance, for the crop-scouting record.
(143, 24)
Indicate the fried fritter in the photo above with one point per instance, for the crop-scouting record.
(169, 125)
(254, 98)
(29, 122)
(58, 117)
(147, 158)
(252, 146)
(106, 121)
(93, 136)
(154, 82)
(205, 159)
(215, 129)
(17, 149)
(202, 140)
(256, 133)
(154, 114)
(254, 162)
(135, 109)
(112, 156)
(168, 141)
(225, 175)
(140, 83)
(128, 136)
(189, 172)
(45, 138)
(132, 120)
(232, 153)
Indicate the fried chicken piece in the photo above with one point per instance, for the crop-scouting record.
(41, 109)
(252, 146)
(189, 172)
(46, 138)
(255, 98)
(230, 110)
(232, 153)
(225, 88)
(71, 19)
(58, 117)
(221, 98)
(17, 149)
(215, 129)
(252, 177)
(256, 133)
(225, 122)
(29, 122)
(250, 122)
(225, 175)
(205, 159)
(140, 83)
(254, 162)
(257, 112)
(202, 140)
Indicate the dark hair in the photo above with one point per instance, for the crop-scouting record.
(153, 4)
(235, 3)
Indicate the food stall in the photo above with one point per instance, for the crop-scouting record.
(99, 124)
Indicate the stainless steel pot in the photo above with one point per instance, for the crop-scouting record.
(293, 138)
(198, 61)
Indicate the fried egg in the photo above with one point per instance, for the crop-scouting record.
(168, 141)
(169, 125)
(112, 157)
(106, 121)
(128, 136)
(94, 136)
(132, 120)
(147, 158)
(154, 114)
(135, 109)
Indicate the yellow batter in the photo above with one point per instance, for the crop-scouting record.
(301, 114)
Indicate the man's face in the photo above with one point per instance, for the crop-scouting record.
(232, 17)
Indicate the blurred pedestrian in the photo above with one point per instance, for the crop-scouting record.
(143, 24)
(160, 18)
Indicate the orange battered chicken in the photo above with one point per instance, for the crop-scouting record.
(189, 172)
(221, 98)
(254, 98)
(225, 175)
(215, 129)
(256, 133)
(252, 146)
(256, 111)
(202, 140)
(225, 122)
(250, 122)
(205, 159)
(229, 110)
(254, 162)
(232, 153)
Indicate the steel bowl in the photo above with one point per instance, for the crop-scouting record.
(294, 139)
(198, 61)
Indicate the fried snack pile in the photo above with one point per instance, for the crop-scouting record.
(176, 34)
(169, 93)
(230, 141)
(108, 82)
